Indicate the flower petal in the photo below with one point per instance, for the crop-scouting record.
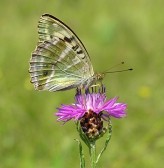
(114, 109)
(68, 112)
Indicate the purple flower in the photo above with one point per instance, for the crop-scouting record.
(91, 102)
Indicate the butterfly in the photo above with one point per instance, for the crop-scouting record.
(60, 60)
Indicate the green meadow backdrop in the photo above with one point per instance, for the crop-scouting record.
(112, 31)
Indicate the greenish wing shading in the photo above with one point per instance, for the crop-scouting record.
(49, 27)
(54, 65)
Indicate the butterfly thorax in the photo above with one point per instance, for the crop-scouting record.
(92, 81)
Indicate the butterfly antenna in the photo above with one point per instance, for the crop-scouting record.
(108, 71)
(117, 65)
(130, 69)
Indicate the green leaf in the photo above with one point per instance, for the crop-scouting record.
(82, 135)
(109, 134)
(82, 159)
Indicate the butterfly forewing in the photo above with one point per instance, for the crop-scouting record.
(60, 61)
(50, 27)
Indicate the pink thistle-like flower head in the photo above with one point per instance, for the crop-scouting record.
(89, 109)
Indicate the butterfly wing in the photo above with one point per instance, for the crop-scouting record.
(60, 61)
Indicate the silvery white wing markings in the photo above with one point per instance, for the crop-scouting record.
(50, 27)
(60, 61)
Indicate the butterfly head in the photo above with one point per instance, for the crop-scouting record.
(99, 76)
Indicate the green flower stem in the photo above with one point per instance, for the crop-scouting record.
(93, 154)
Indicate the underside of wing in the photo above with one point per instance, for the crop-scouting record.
(54, 65)
(49, 27)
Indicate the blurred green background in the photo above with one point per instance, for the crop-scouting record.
(112, 31)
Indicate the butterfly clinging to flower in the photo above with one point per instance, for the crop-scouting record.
(60, 60)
